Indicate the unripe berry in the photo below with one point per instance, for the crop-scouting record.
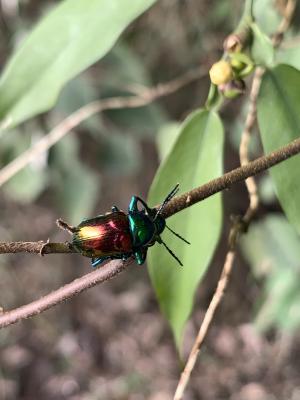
(221, 72)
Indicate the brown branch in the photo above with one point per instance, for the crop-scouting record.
(261, 164)
(181, 202)
(85, 282)
(114, 267)
(239, 226)
(145, 96)
(209, 315)
(245, 140)
(39, 247)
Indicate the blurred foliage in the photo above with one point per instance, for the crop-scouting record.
(26, 186)
(115, 154)
(272, 248)
(39, 71)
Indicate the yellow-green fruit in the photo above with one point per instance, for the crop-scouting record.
(221, 72)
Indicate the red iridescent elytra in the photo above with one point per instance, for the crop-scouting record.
(104, 235)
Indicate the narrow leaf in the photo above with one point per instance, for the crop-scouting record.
(196, 157)
(69, 39)
(279, 123)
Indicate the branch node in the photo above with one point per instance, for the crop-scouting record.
(42, 249)
(239, 225)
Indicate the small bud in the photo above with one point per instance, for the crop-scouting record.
(233, 43)
(232, 89)
(237, 65)
(221, 72)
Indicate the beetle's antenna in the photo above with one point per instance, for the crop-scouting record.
(177, 234)
(171, 252)
(166, 200)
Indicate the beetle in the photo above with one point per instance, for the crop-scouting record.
(117, 235)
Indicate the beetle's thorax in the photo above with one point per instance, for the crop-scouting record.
(144, 229)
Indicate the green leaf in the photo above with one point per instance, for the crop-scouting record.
(266, 15)
(68, 40)
(166, 138)
(290, 56)
(195, 159)
(272, 248)
(279, 122)
(262, 50)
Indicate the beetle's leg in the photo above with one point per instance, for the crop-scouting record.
(114, 209)
(133, 205)
(140, 256)
(97, 261)
(125, 257)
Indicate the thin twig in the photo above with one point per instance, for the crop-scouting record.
(237, 175)
(112, 268)
(245, 140)
(209, 315)
(85, 282)
(145, 97)
(39, 247)
(285, 22)
(240, 225)
(178, 203)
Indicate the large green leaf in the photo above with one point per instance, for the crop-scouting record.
(69, 39)
(279, 122)
(195, 158)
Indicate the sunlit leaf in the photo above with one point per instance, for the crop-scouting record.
(69, 39)
(279, 123)
(195, 159)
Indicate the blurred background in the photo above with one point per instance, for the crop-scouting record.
(111, 342)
